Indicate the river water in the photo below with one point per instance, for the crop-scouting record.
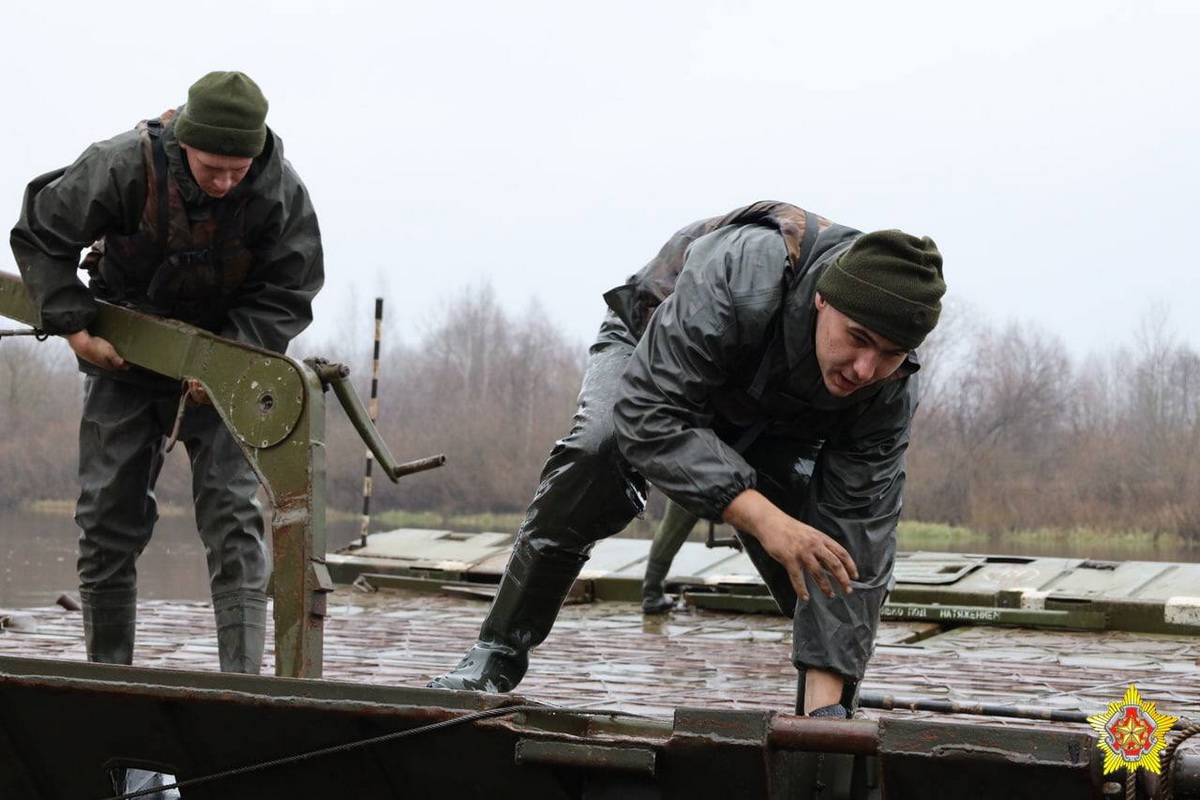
(39, 556)
(39, 553)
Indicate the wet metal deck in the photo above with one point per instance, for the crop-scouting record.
(606, 655)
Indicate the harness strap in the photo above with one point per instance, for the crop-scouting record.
(154, 128)
(759, 384)
(806, 246)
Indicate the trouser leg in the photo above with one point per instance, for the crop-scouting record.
(785, 468)
(229, 520)
(586, 493)
(780, 586)
(120, 457)
(673, 531)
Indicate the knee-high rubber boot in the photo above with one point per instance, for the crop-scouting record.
(531, 592)
(109, 620)
(673, 531)
(241, 630)
(655, 600)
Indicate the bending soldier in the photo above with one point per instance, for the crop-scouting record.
(195, 216)
(761, 370)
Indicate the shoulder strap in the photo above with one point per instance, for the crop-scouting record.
(809, 240)
(154, 127)
(806, 247)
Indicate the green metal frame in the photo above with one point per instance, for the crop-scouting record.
(275, 407)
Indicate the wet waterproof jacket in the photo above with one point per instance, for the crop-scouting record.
(263, 293)
(728, 359)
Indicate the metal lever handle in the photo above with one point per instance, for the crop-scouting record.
(335, 376)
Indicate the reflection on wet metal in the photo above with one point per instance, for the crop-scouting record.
(140, 782)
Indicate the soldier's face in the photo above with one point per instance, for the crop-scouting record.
(850, 355)
(216, 175)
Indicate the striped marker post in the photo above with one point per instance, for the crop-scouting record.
(372, 412)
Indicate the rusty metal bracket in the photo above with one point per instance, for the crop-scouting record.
(586, 755)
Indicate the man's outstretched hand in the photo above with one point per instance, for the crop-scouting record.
(798, 547)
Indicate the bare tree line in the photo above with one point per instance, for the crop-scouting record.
(1012, 432)
(490, 389)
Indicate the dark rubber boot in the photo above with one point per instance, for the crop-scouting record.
(654, 598)
(241, 630)
(672, 532)
(109, 620)
(659, 604)
(531, 592)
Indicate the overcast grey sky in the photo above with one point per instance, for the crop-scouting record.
(1050, 148)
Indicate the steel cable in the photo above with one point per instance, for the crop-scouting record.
(342, 748)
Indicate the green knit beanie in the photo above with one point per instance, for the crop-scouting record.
(889, 282)
(225, 114)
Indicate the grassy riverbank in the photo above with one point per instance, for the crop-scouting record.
(935, 536)
(912, 535)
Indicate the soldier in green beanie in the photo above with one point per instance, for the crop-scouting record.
(761, 371)
(194, 215)
(882, 278)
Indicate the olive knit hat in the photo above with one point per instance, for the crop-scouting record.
(889, 282)
(225, 114)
